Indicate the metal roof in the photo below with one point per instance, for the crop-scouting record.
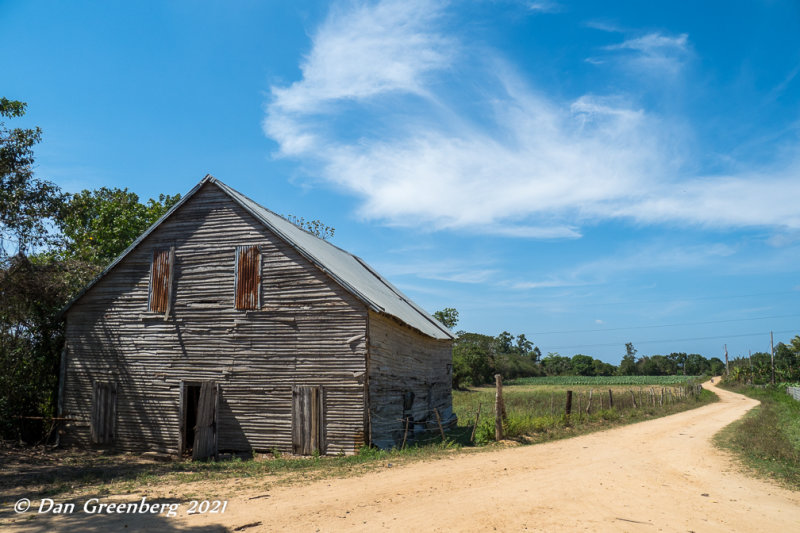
(348, 270)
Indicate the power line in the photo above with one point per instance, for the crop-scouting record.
(666, 325)
(696, 298)
(669, 340)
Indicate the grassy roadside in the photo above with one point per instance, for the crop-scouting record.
(767, 439)
(98, 474)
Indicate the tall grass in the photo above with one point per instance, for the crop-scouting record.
(768, 438)
(538, 413)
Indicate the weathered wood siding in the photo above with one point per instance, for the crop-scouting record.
(401, 360)
(297, 337)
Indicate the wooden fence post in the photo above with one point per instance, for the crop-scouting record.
(405, 435)
(499, 408)
(439, 421)
(633, 397)
(610, 399)
(589, 403)
(477, 416)
(569, 404)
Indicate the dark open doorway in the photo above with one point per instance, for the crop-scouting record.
(199, 419)
(191, 398)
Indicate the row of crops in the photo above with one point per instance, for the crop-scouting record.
(601, 381)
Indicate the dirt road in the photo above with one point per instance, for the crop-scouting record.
(661, 475)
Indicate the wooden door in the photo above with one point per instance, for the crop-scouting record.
(308, 434)
(104, 412)
(205, 433)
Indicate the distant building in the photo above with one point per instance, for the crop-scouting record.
(226, 327)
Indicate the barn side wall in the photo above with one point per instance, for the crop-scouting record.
(403, 361)
(297, 337)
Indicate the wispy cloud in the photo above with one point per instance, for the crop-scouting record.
(377, 113)
(652, 257)
(654, 44)
(445, 270)
(654, 53)
(545, 6)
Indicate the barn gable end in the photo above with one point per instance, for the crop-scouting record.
(297, 360)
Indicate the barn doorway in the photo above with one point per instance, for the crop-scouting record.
(308, 424)
(199, 419)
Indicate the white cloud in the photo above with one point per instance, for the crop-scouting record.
(654, 53)
(654, 43)
(544, 6)
(366, 51)
(531, 166)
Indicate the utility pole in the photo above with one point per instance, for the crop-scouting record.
(772, 357)
(726, 360)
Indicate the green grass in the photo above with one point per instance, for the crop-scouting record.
(537, 412)
(767, 439)
(602, 381)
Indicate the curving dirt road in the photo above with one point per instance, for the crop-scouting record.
(660, 475)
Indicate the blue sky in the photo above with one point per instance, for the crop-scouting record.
(587, 173)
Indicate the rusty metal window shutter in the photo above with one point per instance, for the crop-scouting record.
(248, 277)
(161, 280)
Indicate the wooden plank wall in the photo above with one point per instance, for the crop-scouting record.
(401, 360)
(298, 337)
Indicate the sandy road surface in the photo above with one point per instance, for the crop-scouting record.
(660, 475)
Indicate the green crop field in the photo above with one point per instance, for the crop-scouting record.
(602, 381)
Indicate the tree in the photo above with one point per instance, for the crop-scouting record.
(99, 225)
(317, 227)
(473, 359)
(601, 368)
(26, 203)
(696, 364)
(716, 366)
(555, 364)
(447, 316)
(627, 367)
(582, 365)
(32, 291)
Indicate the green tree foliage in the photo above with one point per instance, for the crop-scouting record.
(696, 364)
(26, 203)
(473, 359)
(716, 366)
(582, 365)
(555, 364)
(99, 225)
(603, 369)
(447, 316)
(477, 357)
(32, 291)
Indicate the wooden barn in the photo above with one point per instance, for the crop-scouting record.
(225, 327)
